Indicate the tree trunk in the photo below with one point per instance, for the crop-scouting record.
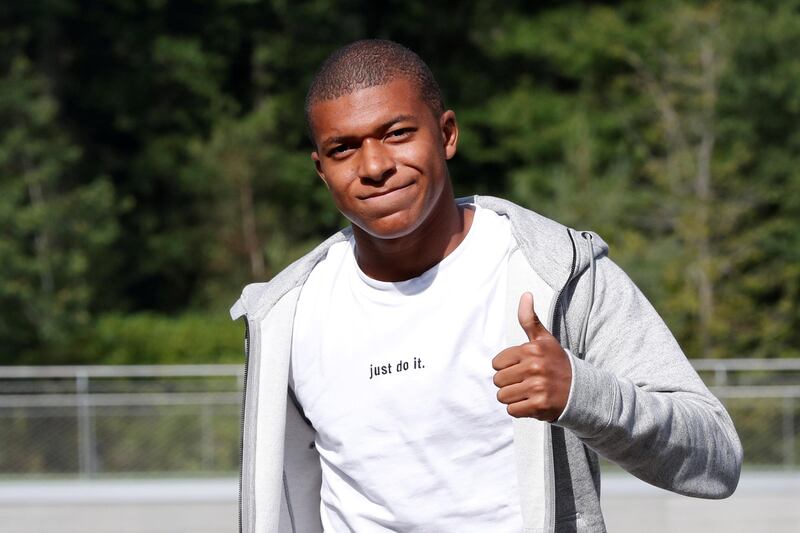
(704, 194)
(250, 231)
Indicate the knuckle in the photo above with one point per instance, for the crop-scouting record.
(534, 366)
(536, 352)
(544, 401)
(533, 385)
(530, 349)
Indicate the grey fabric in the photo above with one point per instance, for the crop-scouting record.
(302, 475)
(250, 411)
(635, 394)
(635, 398)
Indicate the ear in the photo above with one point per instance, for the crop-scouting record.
(449, 129)
(318, 167)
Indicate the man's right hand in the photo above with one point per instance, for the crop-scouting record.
(534, 378)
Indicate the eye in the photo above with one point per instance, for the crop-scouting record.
(339, 150)
(401, 133)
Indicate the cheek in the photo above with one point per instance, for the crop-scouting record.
(338, 178)
(421, 156)
(342, 190)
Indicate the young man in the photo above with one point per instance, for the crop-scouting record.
(452, 365)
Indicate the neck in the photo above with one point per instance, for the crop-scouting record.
(409, 256)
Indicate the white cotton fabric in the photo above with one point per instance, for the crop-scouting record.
(396, 378)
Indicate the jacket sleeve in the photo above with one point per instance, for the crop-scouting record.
(636, 400)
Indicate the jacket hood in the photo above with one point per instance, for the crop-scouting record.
(551, 246)
(257, 298)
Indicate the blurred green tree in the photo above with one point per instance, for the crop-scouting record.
(632, 120)
(57, 227)
(154, 157)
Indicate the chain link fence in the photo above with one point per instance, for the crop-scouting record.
(763, 398)
(185, 419)
(91, 421)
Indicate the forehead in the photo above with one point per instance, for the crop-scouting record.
(364, 109)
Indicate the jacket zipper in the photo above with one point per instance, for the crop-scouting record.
(550, 491)
(241, 426)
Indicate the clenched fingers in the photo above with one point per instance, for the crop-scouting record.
(513, 393)
(523, 369)
(508, 357)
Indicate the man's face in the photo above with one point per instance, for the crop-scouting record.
(382, 153)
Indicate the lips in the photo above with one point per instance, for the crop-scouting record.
(384, 192)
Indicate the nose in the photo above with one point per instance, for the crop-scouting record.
(376, 163)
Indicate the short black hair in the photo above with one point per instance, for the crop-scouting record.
(367, 63)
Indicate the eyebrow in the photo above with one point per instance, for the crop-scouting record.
(386, 125)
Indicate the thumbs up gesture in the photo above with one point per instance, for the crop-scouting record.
(534, 378)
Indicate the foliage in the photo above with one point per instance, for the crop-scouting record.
(153, 157)
(639, 129)
(57, 226)
(149, 338)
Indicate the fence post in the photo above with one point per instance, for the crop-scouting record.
(789, 444)
(720, 375)
(207, 437)
(86, 465)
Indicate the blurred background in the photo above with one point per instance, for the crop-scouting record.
(153, 160)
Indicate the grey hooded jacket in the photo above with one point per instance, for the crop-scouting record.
(634, 400)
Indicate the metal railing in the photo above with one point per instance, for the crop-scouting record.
(92, 420)
(763, 398)
(184, 419)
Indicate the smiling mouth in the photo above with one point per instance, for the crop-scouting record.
(378, 194)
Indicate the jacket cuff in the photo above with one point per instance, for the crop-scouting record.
(570, 358)
(592, 399)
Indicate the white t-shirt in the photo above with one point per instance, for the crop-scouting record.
(397, 380)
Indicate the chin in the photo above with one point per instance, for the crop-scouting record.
(394, 226)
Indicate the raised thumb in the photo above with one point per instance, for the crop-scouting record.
(528, 319)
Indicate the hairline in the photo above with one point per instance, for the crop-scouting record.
(435, 109)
